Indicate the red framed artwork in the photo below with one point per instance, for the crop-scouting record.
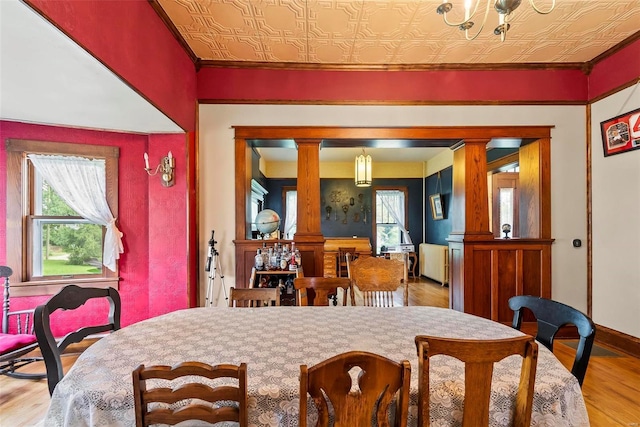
(621, 134)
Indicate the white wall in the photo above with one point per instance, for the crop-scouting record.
(568, 168)
(616, 225)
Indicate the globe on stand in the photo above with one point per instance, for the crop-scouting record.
(267, 221)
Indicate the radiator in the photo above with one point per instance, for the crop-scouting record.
(434, 262)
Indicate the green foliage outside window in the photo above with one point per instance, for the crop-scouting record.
(82, 242)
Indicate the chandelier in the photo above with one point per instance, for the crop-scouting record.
(503, 7)
(363, 170)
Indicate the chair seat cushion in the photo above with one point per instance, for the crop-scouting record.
(10, 342)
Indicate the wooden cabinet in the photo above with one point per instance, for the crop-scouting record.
(275, 278)
(245, 252)
(331, 246)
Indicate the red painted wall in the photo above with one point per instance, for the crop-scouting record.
(152, 218)
(616, 70)
(167, 230)
(131, 39)
(389, 86)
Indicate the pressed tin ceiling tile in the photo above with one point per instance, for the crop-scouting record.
(369, 32)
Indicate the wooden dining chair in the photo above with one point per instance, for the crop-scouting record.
(342, 260)
(355, 397)
(254, 297)
(318, 290)
(17, 338)
(479, 357)
(148, 401)
(377, 278)
(70, 297)
(551, 316)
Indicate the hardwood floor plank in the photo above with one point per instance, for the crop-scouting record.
(611, 388)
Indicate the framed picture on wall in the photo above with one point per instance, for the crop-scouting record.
(621, 133)
(436, 206)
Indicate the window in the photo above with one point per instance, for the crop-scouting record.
(390, 214)
(48, 243)
(62, 243)
(290, 195)
(505, 202)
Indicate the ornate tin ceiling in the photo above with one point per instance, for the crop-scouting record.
(396, 32)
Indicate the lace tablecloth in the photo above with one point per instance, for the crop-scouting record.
(275, 341)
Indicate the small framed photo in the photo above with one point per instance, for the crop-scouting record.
(437, 210)
(621, 133)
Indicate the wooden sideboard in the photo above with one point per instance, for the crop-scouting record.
(331, 245)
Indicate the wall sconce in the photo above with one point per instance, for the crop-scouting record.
(166, 166)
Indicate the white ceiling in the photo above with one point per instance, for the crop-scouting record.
(47, 78)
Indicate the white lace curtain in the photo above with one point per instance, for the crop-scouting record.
(80, 182)
(290, 222)
(393, 201)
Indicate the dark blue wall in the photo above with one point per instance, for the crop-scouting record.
(336, 193)
(439, 230)
(273, 200)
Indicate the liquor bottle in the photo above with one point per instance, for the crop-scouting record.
(272, 259)
(259, 261)
(290, 288)
(293, 263)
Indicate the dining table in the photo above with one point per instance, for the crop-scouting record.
(275, 341)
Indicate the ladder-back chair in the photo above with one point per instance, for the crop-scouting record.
(225, 402)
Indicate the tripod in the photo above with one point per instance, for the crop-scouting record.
(213, 260)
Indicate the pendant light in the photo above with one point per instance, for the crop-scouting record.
(363, 170)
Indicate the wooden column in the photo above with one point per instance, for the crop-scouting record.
(470, 193)
(535, 189)
(469, 223)
(308, 237)
(243, 189)
(308, 187)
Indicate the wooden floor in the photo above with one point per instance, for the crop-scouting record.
(611, 388)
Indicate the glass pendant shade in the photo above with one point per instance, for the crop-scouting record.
(363, 170)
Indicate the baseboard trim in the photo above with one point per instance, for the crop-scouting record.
(618, 340)
(615, 339)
